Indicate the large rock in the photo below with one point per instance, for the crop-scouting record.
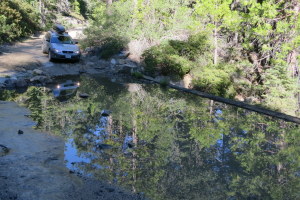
(10, 83)
(123, 54)
(128, 68)
(41, 79)
(21, 83)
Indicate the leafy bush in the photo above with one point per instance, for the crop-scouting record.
(216, 80)
(176, 57)
(111, 46)
(17, 19)
(165, 60)
(137, 75)
(196, 45)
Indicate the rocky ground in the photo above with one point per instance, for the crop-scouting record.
(24, 64)
(31, 162)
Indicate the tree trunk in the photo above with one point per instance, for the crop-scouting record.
(109, 126)
(293, 63)
(108, 5)
(216, 46)
(211, 107)
(42, 13)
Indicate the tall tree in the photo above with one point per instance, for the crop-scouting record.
(216, 15)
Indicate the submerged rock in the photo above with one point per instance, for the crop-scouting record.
(3, 150)
(83, 95)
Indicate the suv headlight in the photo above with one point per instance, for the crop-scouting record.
(77, 52)
(57, 51)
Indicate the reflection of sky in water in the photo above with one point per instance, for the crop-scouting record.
(72, 156)
(75, 159)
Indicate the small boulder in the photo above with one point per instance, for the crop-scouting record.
(3, 150)
(83, 95)
(38, 72)
(113, 61)
(20, 132)
(21, 83)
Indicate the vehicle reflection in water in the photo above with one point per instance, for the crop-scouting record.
(66, 90)
(169, 145)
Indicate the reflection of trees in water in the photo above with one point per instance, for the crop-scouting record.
(183, 147)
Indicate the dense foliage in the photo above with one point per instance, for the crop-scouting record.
(257, 40)
(176, 57)
(17, 19)
(21, 18)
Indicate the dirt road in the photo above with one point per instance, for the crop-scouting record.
(20, 59)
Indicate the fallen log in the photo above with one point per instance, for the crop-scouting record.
(239, 104)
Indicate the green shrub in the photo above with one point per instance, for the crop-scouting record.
(216, 80)
(165, 60)
(164, 83)
(137, 75)
(17, 19)
(196, 45)
(176, 57)
(111, 46)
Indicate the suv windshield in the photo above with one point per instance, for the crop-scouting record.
(62, 39)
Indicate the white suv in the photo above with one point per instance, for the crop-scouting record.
(58, 44)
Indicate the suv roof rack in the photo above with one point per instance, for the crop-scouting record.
(59, 28)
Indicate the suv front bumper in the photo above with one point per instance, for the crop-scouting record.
(65, 56)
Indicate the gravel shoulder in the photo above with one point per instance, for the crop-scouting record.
(33, 168)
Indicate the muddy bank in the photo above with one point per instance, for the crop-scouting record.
(33, 166)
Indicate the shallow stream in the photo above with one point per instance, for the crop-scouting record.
(167, 144)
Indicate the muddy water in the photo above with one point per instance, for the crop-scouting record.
(166, 144)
